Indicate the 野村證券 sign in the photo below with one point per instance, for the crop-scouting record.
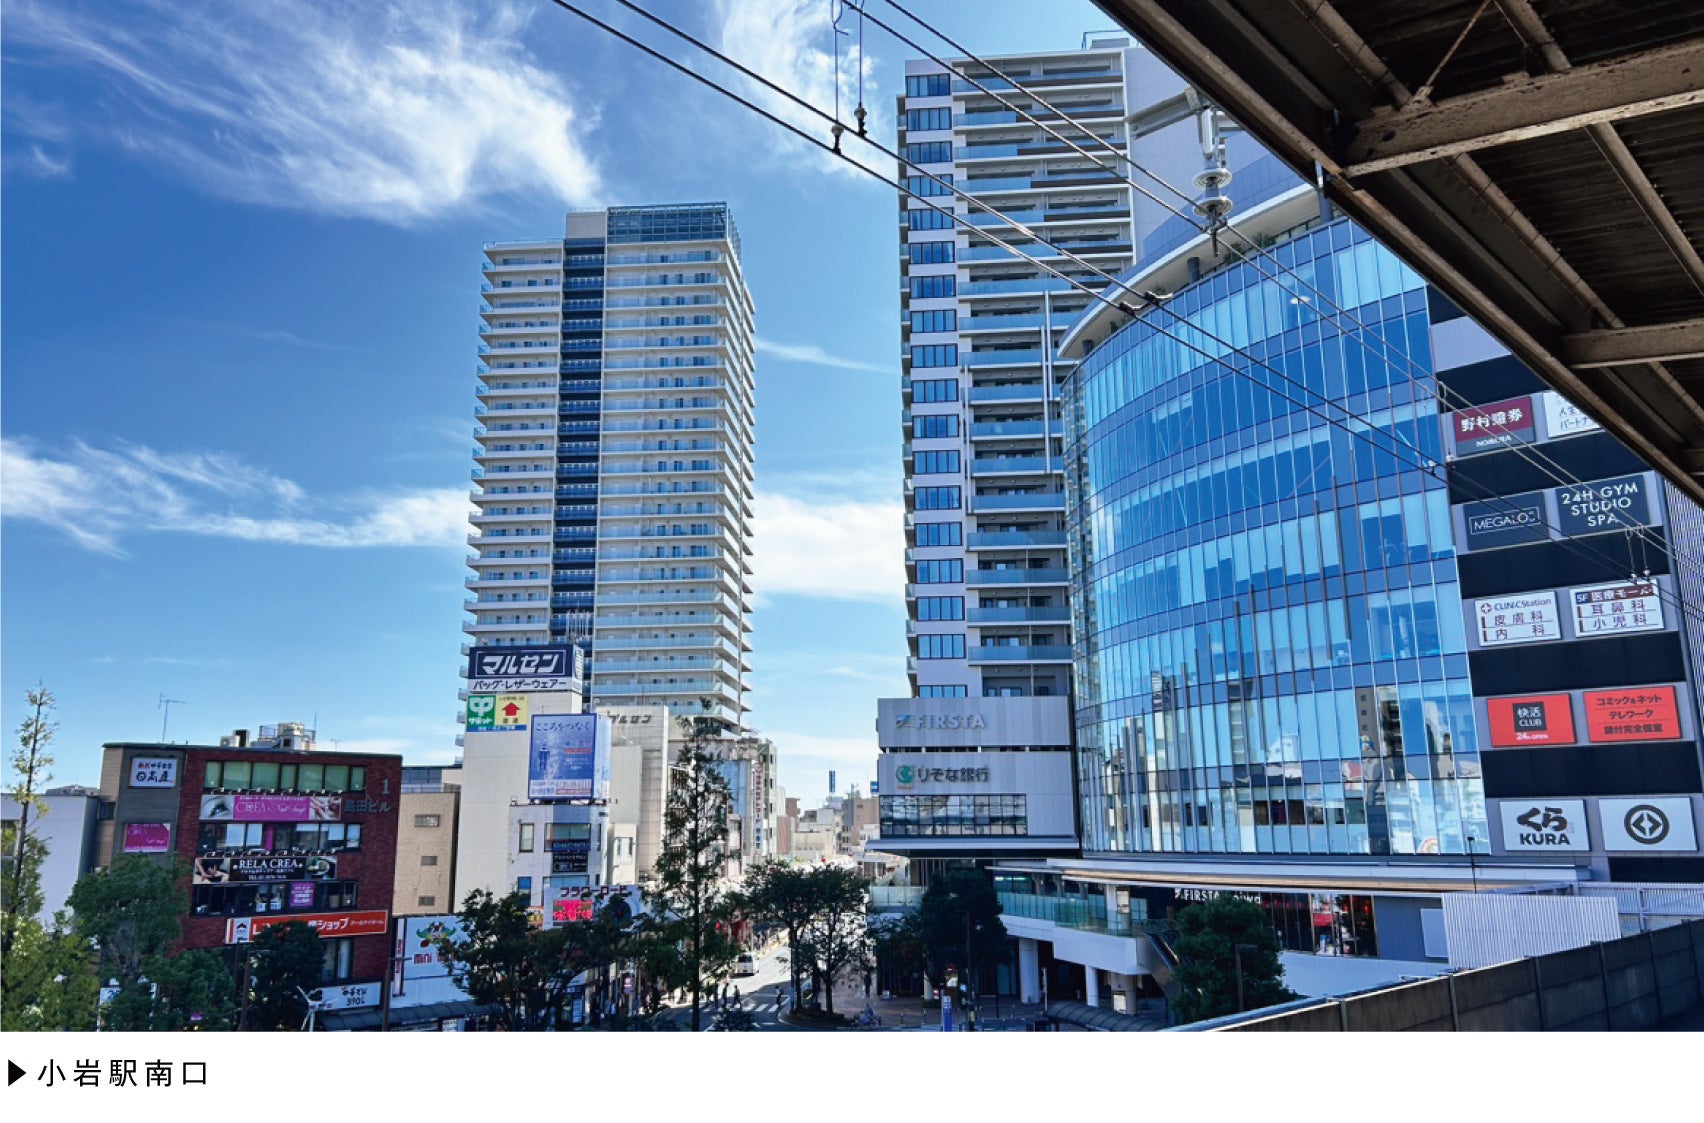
(1481, 428)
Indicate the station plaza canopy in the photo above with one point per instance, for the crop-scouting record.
(1540, 161)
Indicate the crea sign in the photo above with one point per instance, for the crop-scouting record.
(147, 838)
(272, 808)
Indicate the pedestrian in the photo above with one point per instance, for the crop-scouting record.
(866, 986)
(736, 994)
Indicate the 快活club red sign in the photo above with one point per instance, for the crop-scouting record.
(1637, 713)
(1537, 719)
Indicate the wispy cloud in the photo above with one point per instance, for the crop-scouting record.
(98, 497)
(397, 112)
(811, 353)
(790, 42)
(34, 160)
(847, 549)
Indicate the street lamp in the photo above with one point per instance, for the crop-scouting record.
(1472, 862)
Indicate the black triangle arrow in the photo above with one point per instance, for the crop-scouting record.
(12, 1073)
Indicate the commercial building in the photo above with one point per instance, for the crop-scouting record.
(272, 829)
(614, 465)
(65, 826)
(426, 839)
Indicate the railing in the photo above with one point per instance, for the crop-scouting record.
(1038, 576)
(1052, 614)
(1036, 653)
(895, 896)
(1039, 501)
(995, 540)
(1014, 429)
(993, 465)
(1026, 392)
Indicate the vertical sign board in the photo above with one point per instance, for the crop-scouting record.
(481, 713)
(1647, 823)
(1636, 713)
(1545, 825)
(1562, 418)
(568, 757)
(1521, 618)
(1483, 428)
(1617, 608)
(1613, 504)
(831, 781)
(1538, 719)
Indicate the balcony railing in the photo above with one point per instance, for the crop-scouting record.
(1032, 576)
(1020, 653)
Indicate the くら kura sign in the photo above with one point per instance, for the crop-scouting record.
(1640, 713)
(1539, 719)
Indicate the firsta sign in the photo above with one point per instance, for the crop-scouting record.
(939, 721)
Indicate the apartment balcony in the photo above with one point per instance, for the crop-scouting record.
(478, 582)
(1036, 216)
(1023, 322)
(1107, 77)
(1034, 501)
(1014, 430)
(704, 597)
(982, 578)
(585, 602)
(1013, 358)
(492, 518)
(655, 667)
(516, 410)
(511, 307)
(575, 534)
(1015, 465)
(1025, 392)
(665, 620)
(576, 409)
(1049, 614)
(1019, 287)
(669, 688)
(573, 579)
(1015, 540)
(1045, 653)
(487, 391)
(506, 329)
(528, 624)
(510, 605)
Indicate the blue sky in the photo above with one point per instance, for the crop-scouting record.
(240, 277)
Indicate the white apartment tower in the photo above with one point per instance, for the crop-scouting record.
(613, 474)
(985, 504)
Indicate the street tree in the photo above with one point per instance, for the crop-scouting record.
(690, 895)
(501, 959)
(959, 923)
(131, 911)
(20, 872)
(286, 961)
(896, 941)
(49, 979)
(784, 897)
(835, 940)
(195, 992)
(1213, 937)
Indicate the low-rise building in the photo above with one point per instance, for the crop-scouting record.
(426, 839)
(65, 827)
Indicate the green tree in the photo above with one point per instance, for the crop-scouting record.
(501, 959)
(958, 923)
(195, 992)
(132, 912)
(285, 961)
(784, 897)
(50, 982)
(835, 940)
(20, 868)
(1209, 936)
(896, 940)
(690, 899)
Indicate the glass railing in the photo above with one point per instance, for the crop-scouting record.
(1037, 576)
(1026, 286)
(1034, 653)
(999, 323)
(992, 465)
(1006, 393)
(1036, 501)
(1058, 614)
(1014, 538)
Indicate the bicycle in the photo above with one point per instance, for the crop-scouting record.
(869, 1019)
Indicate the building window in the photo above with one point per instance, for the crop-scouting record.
(940, 534)
(927, 85)
(935, 425)
(428, 859)
(940, 647)
(523, 885)
(934, 287)
(930, 152)
(935, 463)
(939, 498)
(339, 959)
(426, 820)
(947, 571)
(943, 692)
(929, 218)
(923, 120)
(933, 355)
(425, 902)
(935, 390)
(939, 319)
(935, 816)
(931, 253)
(940, 608)
(526, 838)
(926, 186)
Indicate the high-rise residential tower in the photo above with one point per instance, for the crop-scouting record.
(614, 464)
(985, 536)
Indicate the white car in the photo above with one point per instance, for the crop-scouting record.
(746, 964)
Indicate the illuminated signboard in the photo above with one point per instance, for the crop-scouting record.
(1639, 713)
(1542, 719)
(1522, 618)
(1625, 606)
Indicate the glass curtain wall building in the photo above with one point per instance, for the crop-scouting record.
(614, 464)
(1270, 647)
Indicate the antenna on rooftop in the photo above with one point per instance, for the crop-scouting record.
(166, 704)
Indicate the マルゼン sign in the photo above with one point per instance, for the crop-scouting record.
(519, 662)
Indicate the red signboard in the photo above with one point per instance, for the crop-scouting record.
(328, 925)
(1637, 713)
(1539, 719)
(1494, 425)
(570, 908)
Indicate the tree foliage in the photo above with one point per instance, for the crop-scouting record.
(690, 902)
(285, 961)
(20, 869)
(1208, 936)
(132, 912)
(958, 924)
(195, 992)
(835, 940)
(896, 941)
(784, 897)
(501, 959)
(49, 979)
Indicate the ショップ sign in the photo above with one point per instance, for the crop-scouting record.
(1493, 426)
(1539, 719)
(1563, 418)
(1625, 606)
(1545, 824)
(1639, 713)
(1514, 521)
(147, 838)
(153, 771)
(1647, 823)
(1593, 508)
(272, 808)
(328, 925)
(1522, 618)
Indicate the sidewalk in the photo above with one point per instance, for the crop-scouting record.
(909, 1012)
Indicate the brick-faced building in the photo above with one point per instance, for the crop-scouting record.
(272, 830)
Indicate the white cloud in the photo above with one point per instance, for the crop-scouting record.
(811, 353)
(789, 43)
(99, 496)
(804, 760)
(848, 549)
(396, 112)
(34, 160)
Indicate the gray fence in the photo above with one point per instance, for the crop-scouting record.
(1635, 983)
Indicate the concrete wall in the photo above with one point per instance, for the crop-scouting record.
(1635, 983)
(417, 843)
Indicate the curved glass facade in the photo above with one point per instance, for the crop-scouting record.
(1269, 649)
